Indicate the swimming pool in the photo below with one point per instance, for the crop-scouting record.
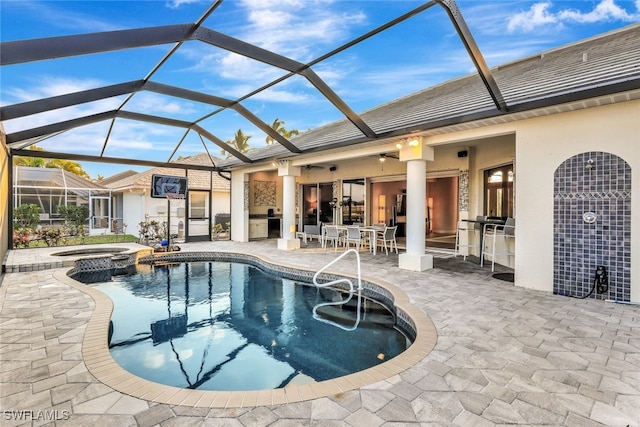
(231, 326)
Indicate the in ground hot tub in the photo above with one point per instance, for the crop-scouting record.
(91, 251)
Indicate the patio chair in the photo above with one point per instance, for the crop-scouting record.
(389, 236)
(353, 235)
(330, 233)
(498, 232)
(311, 232)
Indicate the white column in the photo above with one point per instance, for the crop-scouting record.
(239, 206)
(416, 155)
(416, 195)
(288, 174)
(288, 207)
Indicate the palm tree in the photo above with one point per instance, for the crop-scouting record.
(38, 162)
(33, 162)
(278, 126)
(69, 166)
(240, 143)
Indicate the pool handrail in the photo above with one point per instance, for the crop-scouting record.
(334, 282)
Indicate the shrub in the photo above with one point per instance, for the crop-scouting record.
(22, 237)
(26, 216)
(74, 216)
(51, 236)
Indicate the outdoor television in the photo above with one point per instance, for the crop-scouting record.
(161, 185)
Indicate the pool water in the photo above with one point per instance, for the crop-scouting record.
(231, 326)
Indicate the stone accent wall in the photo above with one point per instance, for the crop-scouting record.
(463, 190)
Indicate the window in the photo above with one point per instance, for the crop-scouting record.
(198, 205)
(498, 188)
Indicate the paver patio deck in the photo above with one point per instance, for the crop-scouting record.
(504, 356)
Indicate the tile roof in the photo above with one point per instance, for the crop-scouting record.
(573, 72)
(198, 180)
(117, 177)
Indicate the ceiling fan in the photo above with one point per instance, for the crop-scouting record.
(309, 167)
(384, 156)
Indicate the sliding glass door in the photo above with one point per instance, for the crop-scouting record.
(316, 204)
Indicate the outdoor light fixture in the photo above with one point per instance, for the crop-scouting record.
(589, 164)
(399, 144)
(382, 157)
(414, 142)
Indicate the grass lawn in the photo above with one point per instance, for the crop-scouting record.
(90, 240)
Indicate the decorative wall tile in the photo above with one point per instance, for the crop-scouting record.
(264, 193)
(246, 196)
(463, 190)
(599, 183)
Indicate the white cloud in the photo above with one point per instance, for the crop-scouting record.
(127, 136)
(541, 14)
(538, 15)
(150, 103)
(296, 28)
(300, 30)
(175, 4)
(283, 96)
(63, 17)
(48, 86)
(606, 10)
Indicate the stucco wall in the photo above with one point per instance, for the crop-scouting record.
(134, 208)
(536, 146)
(542, 144)
(256, 205)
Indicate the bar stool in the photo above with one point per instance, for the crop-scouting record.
(498, 232)
(463, 229)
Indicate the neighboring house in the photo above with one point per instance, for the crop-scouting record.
(49, 188)
(207, 200)
(562, 157)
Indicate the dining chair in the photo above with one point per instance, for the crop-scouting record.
(312, 232)
(353, 235)
(389, 236)
(330, 233)
(497, 232)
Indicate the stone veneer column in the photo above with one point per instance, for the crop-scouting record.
(288, 174)
(416, 156)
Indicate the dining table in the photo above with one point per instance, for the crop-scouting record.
(371, 231)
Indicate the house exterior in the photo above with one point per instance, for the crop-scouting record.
(207, 200)
(555, 135)
(568, 141)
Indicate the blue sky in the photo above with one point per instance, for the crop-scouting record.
(418, 53)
